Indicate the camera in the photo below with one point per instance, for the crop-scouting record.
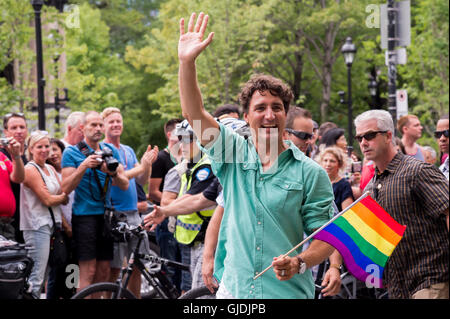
(107, 157)
(356, 167)
(4, 141)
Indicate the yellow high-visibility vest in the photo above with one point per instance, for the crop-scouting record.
(188, 226)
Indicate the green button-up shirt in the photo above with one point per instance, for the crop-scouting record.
(266, 214)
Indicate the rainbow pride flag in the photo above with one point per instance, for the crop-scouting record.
(365, 235)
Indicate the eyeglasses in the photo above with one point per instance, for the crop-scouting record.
(368, 136)
(301, 135)
(186, 139)
(438, 134)
(9, 115)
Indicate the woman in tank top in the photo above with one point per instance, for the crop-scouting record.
(40, 190)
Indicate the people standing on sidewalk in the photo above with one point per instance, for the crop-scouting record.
(125, 201)
(86, 173)
(11, 171)
(15, 126)
(411, 130)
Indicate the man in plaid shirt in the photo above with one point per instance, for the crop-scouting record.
(415, 194)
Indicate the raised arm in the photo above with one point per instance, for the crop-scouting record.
(190, 45)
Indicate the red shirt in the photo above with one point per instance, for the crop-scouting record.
(367, 173)
(7, 201)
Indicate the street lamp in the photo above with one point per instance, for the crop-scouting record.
(373, 85)
(349, 51)
(37, 6)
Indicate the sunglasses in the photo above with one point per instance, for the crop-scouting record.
(301, 135)
(186, 139)
(438, 134)
(368, 136)
(9, 115)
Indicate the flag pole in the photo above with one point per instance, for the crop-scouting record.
(318, 230)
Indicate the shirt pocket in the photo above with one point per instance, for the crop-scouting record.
(286, 196)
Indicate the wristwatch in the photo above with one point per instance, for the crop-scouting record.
(302, 265)
(337, 266)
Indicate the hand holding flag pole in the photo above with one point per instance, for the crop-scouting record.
(314, 233)
(365, 237)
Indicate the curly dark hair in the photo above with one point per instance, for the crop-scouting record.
(261, 83)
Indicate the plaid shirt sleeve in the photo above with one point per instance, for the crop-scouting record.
(431, 187)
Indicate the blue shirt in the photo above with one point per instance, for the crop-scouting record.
(87, 193)
(265, 215)
(125, 200)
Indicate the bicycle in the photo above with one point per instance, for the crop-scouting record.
(150, 267)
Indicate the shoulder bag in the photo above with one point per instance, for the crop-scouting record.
(58, 247)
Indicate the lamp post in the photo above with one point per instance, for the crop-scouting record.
(349, 51)
(373, 86)
(37, 6)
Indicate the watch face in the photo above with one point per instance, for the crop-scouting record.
(302, 268)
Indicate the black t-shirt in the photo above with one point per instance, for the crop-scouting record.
(213, 190)
(342, 190)
(161, 166)
(202, 177)
(140, 193)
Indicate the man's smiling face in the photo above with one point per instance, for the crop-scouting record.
(266, 117)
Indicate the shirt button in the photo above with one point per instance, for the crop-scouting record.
(252, 286)
(258, 248)
(260, 178)
(286, 186)
(251, 291)
(259, 223)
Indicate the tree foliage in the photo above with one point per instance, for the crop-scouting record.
(124, 54)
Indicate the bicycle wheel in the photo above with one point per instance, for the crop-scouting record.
(198, 293)
(101, 290)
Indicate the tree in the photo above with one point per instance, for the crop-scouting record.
(16, 56)
(224, 65)
(425, 75)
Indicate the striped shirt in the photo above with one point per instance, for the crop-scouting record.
(415, 194)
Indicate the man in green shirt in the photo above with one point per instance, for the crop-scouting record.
(272, 191)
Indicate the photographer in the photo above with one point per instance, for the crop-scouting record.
(11, 171)
(90, 170)
(126, 202)
(15, 127)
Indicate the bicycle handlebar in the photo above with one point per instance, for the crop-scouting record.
(166, 262)
(124, 228)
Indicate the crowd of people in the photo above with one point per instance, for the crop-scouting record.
(231, 192)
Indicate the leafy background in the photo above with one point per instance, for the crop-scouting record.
(124, 54)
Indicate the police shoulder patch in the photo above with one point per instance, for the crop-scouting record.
(202, 174)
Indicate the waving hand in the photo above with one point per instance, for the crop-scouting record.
(191, 44)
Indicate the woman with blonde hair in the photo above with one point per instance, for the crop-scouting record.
(41, 189)
(333, 159)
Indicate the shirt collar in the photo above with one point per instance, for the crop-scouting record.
(298, 155)
(393, 164)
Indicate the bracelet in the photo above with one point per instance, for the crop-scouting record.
(17, 157)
